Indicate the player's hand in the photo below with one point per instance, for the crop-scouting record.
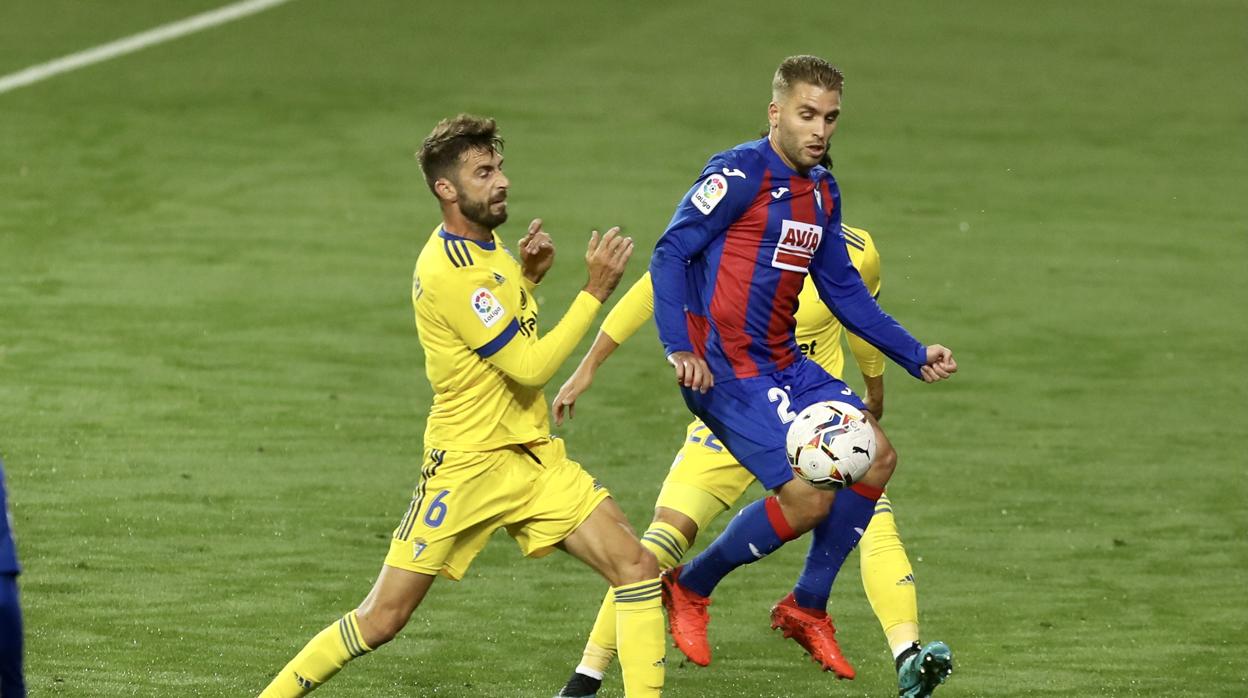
(606, 258)
(537, 252)
(691, 371)
(565, 399)
(940, 364)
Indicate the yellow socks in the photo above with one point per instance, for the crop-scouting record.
(319, 660)
(668, 545)
(666, 542)
(889, 579)
(640, 636)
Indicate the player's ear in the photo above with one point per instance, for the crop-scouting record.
(445, 190)
(773, 115)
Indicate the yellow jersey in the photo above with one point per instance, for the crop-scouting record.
(476, 316)
(818, 330)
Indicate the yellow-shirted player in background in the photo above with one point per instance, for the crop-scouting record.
(705, 481)
(490, 461)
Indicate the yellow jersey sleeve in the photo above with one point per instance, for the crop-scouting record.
(489, 315)
(870, 360)
(631, 312)
(534, 363)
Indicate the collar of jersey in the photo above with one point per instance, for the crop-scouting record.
(479, 243)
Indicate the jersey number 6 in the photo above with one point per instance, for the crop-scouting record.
(436, 513)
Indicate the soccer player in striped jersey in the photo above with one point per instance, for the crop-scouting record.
(490, 461)
(727, 273)
(705, 481)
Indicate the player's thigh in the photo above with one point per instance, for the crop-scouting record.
(462, 498)
(605, 541)
(885, 461)
(570, 509)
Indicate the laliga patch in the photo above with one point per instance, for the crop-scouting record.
(706, 197)
(797, 245)
(487, 307)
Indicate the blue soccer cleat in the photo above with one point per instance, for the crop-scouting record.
(924, 670)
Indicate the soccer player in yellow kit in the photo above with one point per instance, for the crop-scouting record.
(490, 461)
(705, 481)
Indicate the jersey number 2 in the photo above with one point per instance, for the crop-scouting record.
(782, 410)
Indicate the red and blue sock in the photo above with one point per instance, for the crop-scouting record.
(831, 543)
(757, 531)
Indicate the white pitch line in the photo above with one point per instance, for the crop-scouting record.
(138, 42)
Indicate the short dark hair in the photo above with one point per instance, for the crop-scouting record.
(811, 70)
(450, 139)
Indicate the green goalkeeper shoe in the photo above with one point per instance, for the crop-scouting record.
(924, 670)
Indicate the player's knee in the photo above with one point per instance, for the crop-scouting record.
(805, 507)
(637, 566)
(680, 521)
(380, 624)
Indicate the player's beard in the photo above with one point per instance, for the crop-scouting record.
(479, 212)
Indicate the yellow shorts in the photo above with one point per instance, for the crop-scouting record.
(464, 496)
(703, 467)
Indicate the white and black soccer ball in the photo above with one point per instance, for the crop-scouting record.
(830, 445)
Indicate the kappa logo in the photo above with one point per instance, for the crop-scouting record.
(797, 245)
(487, 307)
(706, 197)
(779, 192)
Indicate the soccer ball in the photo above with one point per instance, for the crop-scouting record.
(830, 445)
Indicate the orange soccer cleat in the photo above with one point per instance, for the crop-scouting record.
(687, 618)
(814, 631)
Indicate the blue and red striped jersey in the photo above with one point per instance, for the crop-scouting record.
(729, 267)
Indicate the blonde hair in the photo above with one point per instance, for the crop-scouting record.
(811, 70)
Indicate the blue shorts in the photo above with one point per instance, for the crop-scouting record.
(751, 415)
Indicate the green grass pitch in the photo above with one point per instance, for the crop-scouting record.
(211, 390)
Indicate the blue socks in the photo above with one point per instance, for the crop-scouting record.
(754, 533)
(832, 542)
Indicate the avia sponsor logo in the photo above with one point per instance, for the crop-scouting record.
(797, 245)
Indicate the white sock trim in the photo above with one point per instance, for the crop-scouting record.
(897, 649)
(591, 673)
